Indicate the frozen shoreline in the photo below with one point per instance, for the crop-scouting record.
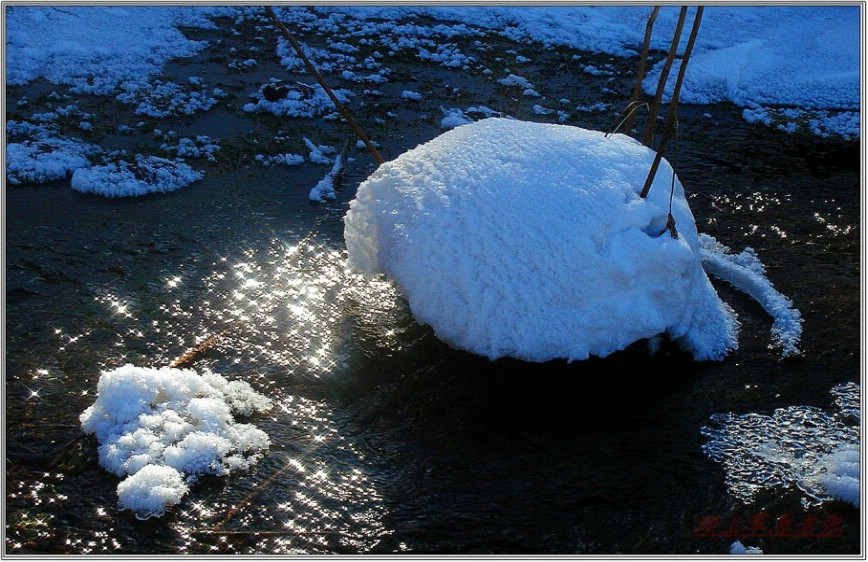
(760, 58)
(121, 52)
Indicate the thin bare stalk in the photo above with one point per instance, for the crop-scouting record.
(673, 104)
(643, 61)
(319, 78)
(651, 123)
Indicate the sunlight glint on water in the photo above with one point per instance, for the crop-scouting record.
(283, 314)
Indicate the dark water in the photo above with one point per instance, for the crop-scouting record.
(385, 440)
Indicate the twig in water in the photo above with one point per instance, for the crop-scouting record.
(202, 347)
(253, 493)
(60, 454)
(312, 69)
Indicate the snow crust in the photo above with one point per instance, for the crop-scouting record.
(163, 428)
(529, 240)
(42, 155)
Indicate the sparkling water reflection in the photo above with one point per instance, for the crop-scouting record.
(318, 499)
(274, 316)
(281, 315)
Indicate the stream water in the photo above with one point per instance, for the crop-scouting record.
(384, 439)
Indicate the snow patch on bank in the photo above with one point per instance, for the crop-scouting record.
(42, 155)
(530, 240)
(163, 428)
(754, 56)
(95, 48)
(147, 174)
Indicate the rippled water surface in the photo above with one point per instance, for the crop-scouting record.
(384, 439)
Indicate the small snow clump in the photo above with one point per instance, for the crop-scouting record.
(163, 428)
(738, 548)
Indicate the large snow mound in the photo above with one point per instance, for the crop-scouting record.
(530, 240)
(162, 428)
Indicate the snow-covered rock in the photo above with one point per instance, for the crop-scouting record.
(530, 240)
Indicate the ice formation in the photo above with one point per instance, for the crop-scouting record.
(162, 428)
(800, 447)
(530, 240)
(167, 99)
(746, 272)
(325, 188)
(280, 159)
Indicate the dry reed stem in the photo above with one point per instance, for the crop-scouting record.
(673, 104)
(630, 111)
(650, 124)
(643, 61)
